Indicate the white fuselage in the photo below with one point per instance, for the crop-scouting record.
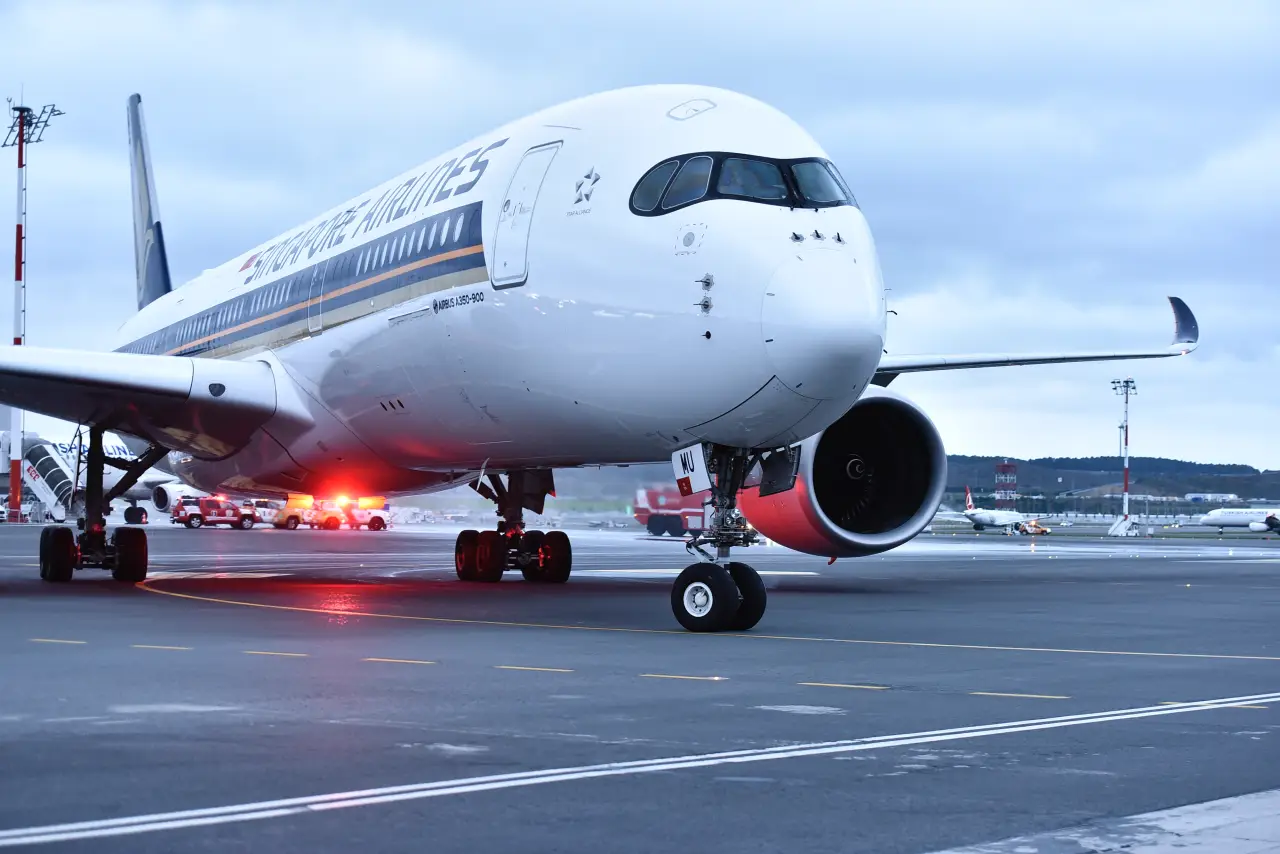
(1239, 517)
(503, 306)
(995, 518)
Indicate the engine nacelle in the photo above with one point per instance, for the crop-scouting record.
(165, 494)
(1259, 527)
(868, 483)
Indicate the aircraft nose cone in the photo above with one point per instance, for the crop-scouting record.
(821, 324)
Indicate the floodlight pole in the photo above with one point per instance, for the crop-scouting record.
(1125, 387)
(27, 128)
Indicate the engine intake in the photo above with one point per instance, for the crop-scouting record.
(164, 495)
(868, 483)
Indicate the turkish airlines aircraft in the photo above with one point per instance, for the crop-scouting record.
(1260, 520)
(483, 319)
(982, 518)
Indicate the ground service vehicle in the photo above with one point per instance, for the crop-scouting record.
(332, 514)
(663, 510)
(212, 510)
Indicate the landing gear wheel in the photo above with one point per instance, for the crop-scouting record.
(704, 598)
(754, 597)
(131, 555)
(557, 557)
(44, 549)
(57, 554)
(134, 515)
(491, 556)
(531, 545)
(464, 555)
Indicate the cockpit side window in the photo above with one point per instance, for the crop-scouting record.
(649, 190)
(754, 179)
(690, 184)
(817, 185)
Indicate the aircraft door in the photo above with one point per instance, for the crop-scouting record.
(511, 241)
(315, 297)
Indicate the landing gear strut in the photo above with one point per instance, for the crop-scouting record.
(545, 558)
(125, 553)
(716, 594)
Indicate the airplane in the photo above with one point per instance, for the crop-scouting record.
(62, 472)
(1260, 520)
(485, 318)
(1008, 519)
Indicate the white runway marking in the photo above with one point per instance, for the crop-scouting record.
(442, 788)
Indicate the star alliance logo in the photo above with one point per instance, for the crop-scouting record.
(586, 184)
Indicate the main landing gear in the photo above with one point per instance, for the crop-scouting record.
(62, 552)
(540, 557)
(717, 594)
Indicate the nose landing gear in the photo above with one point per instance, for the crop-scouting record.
(125, 552)
(717, 594)
(545, 558)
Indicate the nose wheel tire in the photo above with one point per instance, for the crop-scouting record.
(704, 598)
(754, 597)
(464, 555)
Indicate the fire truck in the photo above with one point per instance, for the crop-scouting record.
(212, 510)
(663, 510)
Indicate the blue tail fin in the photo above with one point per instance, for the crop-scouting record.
(148, 238)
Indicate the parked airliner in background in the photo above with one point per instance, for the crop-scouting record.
(1008, 519)
(482, 319)
(1260, 520)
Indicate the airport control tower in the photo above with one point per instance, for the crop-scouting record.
(1006, 485)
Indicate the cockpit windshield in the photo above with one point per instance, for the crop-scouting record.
(754, 179)
(816, 183)
(691, 178)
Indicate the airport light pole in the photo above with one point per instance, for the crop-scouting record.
(27, 129)
(1125, 387)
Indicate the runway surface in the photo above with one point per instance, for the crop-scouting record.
(272, 690)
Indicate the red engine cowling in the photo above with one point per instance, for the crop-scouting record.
(867, 484)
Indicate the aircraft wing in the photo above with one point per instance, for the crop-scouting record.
(1186, 334)
(209, 407)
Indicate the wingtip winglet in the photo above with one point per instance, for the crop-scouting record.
(1186, 331)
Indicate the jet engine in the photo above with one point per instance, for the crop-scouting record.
(165, 494)
(867, 484)
(1271, 524)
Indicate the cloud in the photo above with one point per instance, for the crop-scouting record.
(1037, 175)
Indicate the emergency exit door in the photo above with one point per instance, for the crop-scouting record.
(511, 242)
(315, 299)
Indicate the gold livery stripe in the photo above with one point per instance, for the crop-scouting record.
(354, 286)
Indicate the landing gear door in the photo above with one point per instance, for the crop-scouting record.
(511, 241)
(315, 299)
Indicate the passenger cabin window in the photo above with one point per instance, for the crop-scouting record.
(754, 179)
(690, 184)
(648, 192)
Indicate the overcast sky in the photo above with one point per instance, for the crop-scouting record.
(1038, 176)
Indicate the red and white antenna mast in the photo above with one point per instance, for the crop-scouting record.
(1125, 387)
(27, 129)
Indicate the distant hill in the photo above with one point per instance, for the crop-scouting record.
(1151, 475)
